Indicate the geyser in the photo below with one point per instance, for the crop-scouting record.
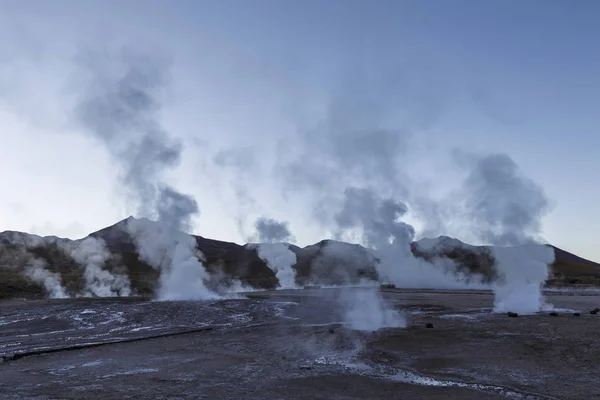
(271, 234)
(505, 208)
(119, 106)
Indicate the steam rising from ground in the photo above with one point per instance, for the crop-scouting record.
(93, 255)
(349, 170)
(523, 270)
(89, 253)
(174, 254)
(277, 255)
(505, 208)
(352, 162)
(120, 107)
(351, 165)
(366, 310)
(341, 263)
(37, 272)
(376, 222)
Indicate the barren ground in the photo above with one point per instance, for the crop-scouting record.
(293, 345)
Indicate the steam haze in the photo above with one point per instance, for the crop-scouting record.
(271, 234)
(269, 230)
(119, 106)
(245, 113)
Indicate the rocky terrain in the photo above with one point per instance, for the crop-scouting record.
(374, 342)
(296, 345)
(83, 264)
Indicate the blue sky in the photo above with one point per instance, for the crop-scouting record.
(511, 76)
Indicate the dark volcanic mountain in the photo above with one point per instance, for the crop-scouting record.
(81, 264)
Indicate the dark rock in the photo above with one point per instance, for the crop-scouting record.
(595, 311)
(512, 314)
(553, 314)
(576, 314)
(331, 330)
(429, 325)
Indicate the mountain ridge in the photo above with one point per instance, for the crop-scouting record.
(325, 262)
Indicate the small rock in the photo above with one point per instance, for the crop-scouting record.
(595, 311)
(553, 314)
(576, 314)
(331, 330)
(429, 325)
(512, 314)
(305, 367)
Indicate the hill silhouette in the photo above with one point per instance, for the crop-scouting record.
(326, 262)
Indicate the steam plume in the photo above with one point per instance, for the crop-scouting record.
(120, 108)
(356, 152)
(239, 161)
(92, 254)
(270, 231)
(37, 272)
(353, 165)
(341, 263)
(175, 254)
(376, 222)
(365, 310)
(506, 208)
(277, 255)
(350, 165)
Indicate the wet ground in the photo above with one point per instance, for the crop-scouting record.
(294, 345)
